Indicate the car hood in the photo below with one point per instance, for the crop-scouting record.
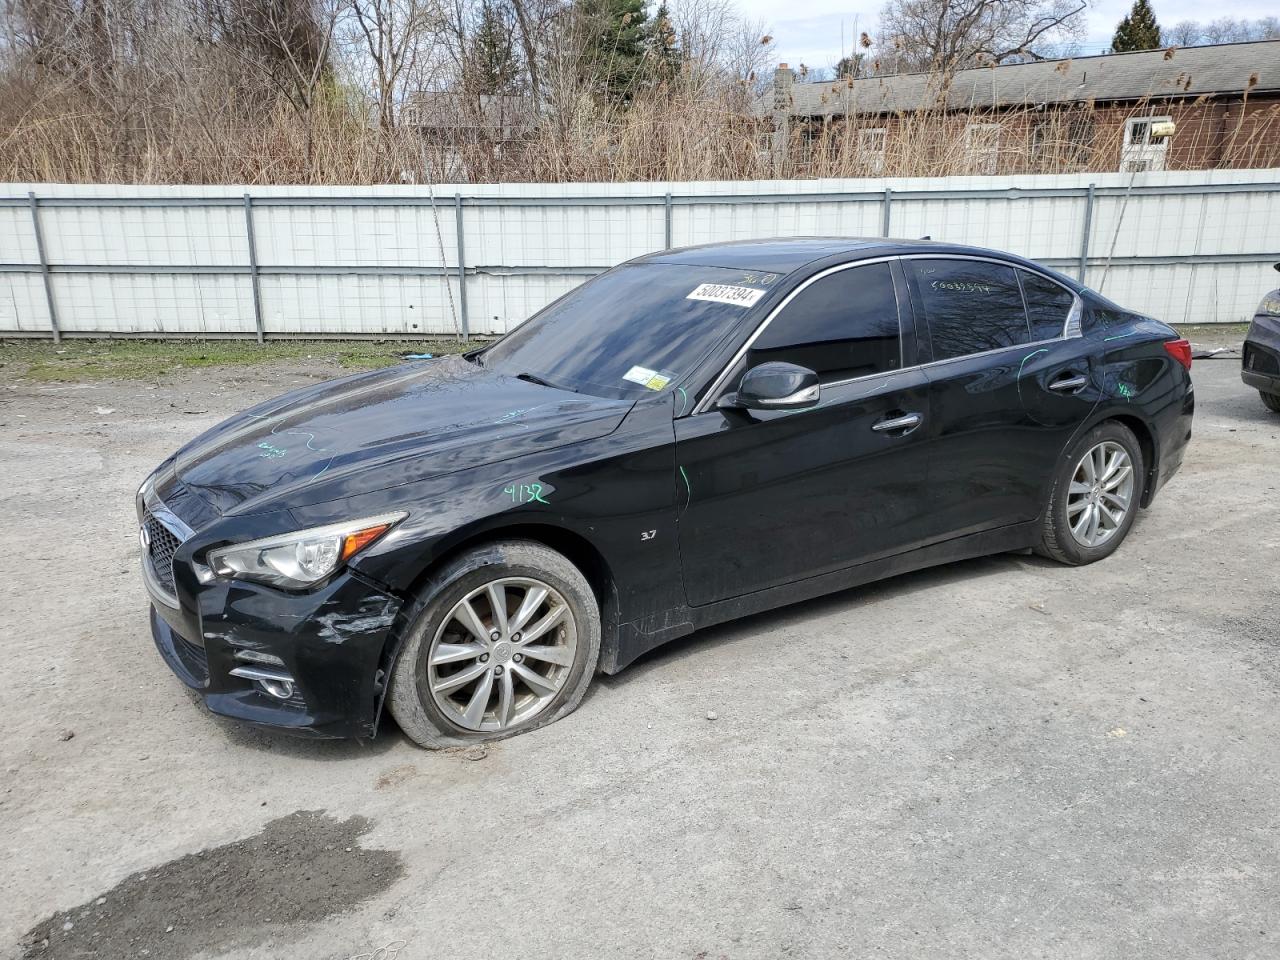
(377, 430)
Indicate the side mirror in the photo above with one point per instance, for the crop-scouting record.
(775, 386)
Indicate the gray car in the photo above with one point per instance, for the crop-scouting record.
(1261, 359)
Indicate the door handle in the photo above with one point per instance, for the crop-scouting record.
(1069, 382)
(906, 423)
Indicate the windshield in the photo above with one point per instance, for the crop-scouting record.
(638, 327)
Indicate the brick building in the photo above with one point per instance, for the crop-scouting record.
(1054, 116)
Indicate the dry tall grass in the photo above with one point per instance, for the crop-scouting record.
(52, 131)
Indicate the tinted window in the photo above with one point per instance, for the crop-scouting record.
(971, 305)
(842, 326)
(1047, 305)
(636, 328)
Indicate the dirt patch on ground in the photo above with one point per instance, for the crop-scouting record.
(300, 869)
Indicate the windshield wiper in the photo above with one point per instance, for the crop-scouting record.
(540, 381)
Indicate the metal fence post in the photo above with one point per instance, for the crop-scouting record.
(667, 221)
(462, 268)
(885, 206)
(1084, 234)
(44, 266)
(253, 267)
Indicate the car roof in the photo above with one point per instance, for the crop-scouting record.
(786, 255)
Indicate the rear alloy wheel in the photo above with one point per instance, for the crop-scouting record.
(1095, 497)
(1272, 400)
(505, 638)
(1100, 494)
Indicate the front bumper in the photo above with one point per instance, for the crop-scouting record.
(333, 644)
(1260, 360)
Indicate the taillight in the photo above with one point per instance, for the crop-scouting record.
(1180, 350)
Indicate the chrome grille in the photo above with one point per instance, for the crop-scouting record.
(162, 544)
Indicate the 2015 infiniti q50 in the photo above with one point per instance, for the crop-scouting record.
(691, 437)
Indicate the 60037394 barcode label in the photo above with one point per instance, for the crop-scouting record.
(726, 293)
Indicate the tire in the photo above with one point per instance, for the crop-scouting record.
(516, 569)
(1068, 505)
(1272, 400)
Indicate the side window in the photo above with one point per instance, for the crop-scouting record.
(842, 326)
(1048, 305)
(971, 306)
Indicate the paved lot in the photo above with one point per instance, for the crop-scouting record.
(1004, 758)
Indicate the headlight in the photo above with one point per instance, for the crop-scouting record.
(140, 498)
(295, 560)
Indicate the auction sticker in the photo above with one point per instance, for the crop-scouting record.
(647, 378)
(726, 293)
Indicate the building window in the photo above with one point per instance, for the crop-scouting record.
(1060, 143)
(982, 147)
(871, 144)
(1143, 151)
(811, 143)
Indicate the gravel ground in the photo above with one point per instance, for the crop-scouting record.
(1002, 758)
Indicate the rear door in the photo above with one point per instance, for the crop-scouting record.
(1007, 387)
(770, 497)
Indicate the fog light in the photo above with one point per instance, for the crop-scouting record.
(274, 683)
(280, 689)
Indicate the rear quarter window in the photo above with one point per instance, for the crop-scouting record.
(1048, 305)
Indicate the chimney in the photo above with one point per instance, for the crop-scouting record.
(783, 78)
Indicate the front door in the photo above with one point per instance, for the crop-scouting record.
(770, 497)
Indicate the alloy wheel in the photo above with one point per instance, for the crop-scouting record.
(502, 654)
(1101, 493)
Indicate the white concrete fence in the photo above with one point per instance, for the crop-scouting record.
(1188, 247)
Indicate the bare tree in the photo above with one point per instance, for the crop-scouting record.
(1184, 33)
(947, 35)
(393, 37)
(720, 47)
(1191, 33)
(1232, 30)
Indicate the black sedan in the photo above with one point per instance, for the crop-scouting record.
(1261, 357)
(693, 436)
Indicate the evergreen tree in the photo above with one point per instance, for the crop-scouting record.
(849, 66)
(493, 64)
(665, 45)
(615, 37)
(1138, 30)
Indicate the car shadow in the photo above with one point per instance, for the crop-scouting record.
(802, 612)
(795, 615)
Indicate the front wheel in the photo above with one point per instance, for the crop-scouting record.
(504, 639)
(1095, 496)
(1272, 400)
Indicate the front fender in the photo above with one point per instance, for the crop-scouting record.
(616, 494)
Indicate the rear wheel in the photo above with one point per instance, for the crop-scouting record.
(503, 640)
(1095, 496)
(1272, 400)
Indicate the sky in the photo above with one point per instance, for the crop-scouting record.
(809, 31)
